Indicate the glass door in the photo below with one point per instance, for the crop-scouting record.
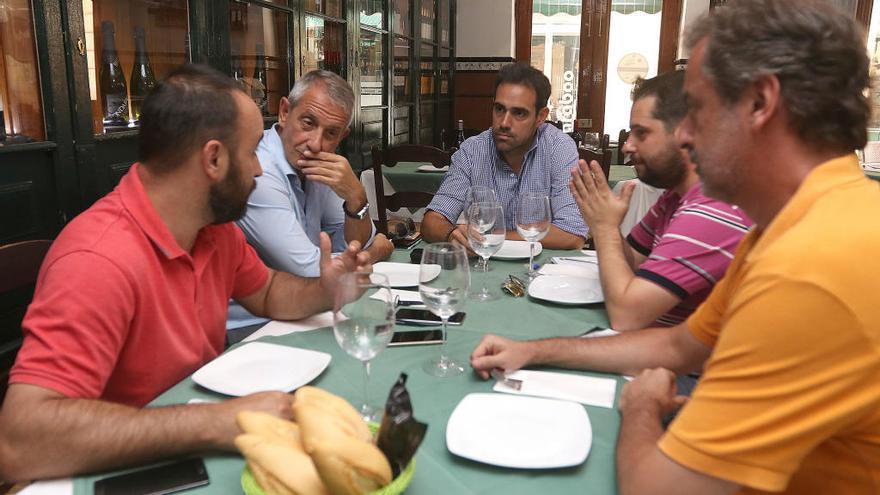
(371, 66)
(324, 38)
(402, 94)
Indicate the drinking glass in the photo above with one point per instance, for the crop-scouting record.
(363, 325)
(592, 140)
(444, 279)
(477, 194)
(485, 233)
(533, 218)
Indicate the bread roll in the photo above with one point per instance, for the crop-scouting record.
(269, 426)
(279, 463)
(337, 408)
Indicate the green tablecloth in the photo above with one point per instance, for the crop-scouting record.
(438, 471)
(405, 177)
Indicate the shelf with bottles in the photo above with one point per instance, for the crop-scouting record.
(324, 45)
(427, 16)
(21, 111)
(130, 46)
(258, 40)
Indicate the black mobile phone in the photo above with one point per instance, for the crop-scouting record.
(157, 480)
(414, 316)
(417, 337)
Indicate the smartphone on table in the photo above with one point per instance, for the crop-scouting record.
(157, 480)
(416, 337)
(423, 317)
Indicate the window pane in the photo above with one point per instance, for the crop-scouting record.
(402, 90)
(130, 46)
(427, 19)
(444, 22)
(324, 45)
(427, 71)
(332, 8)
(372, 69)
(445, 71)
(555, 51)
(401, 17)
(21, 107)
(259, 58)
(372, 13)
(874, 53)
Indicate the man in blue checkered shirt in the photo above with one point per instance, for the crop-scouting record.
(520, 153)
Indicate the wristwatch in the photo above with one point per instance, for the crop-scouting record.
(360, 214)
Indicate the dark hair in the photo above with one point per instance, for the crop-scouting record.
(189, 107)
(668, 89)
(526, 75)
(816, 51)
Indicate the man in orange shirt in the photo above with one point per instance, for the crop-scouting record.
(790, 338)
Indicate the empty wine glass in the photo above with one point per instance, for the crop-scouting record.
(533, 216)
(444, 279)
(477, 194)
(363, 325)
(485, 233)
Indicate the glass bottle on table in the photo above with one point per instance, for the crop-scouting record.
(485, 232)
(260, 86)
(444, 280)
(363, 324)
(142, 78)
(459, 134)
(533, 217)
(114, 92)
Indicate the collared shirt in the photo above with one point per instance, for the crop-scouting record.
(285, 217)
(121, 312)
(546, 169)
(689, 241)
(789, 400)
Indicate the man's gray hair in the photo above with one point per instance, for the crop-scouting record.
(337, 88)
(816, 51)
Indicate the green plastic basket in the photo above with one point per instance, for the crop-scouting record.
(396, 487)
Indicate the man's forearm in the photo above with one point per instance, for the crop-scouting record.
(435, 227)
(64, 436)
(615, 274)
(640, 431)
(358, 230)
(292, 298)
(556, 238)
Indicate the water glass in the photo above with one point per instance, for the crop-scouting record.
(485, 233)
(533, 217)
(444, 279)
(363, 325)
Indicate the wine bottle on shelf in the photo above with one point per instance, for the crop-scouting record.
(459, 135)
(114, 94)
(142, 78)
(259, 86)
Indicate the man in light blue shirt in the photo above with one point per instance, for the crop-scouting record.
(306, 188)
(519, 154)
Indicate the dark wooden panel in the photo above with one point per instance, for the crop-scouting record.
(113, 157)
(28, 196)
(522, 18)
(475, 83)
(670, 22)
(476, 112)
(18, 202)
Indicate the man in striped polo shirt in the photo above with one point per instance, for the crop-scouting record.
(520, 153)
(682, 247)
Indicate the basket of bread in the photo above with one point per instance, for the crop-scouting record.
(328, 449)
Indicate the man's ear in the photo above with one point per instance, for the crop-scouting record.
(542, 114)
(214, 159)
(283, 109)
(765, 100)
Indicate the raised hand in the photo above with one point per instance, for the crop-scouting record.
(600, 207)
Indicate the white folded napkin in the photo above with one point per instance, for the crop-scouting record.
(402, 295)
(587, 390)
(576, 260)
(277, 328)
(601, 333)
(63, 486)
(589, 252)
(575, 270)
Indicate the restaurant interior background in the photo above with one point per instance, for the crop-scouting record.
(72, 73)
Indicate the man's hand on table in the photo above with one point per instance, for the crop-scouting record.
(459, 237)
(380, 249)
(494, 352)
(653, 390)
(601, 208)
(275, 403)
(353, 259)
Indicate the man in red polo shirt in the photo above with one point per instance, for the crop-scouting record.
(132, 296)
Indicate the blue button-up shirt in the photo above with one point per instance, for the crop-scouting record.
(285, 217)
(546, 169)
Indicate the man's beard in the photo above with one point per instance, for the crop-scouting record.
(227, 199)
(669, 174)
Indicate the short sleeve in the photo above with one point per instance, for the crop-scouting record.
(251, 273)
(450, 197)
(777, 384)
(641, 237)
(76, 326)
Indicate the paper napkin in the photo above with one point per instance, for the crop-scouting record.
(277, 328)
(588, 390)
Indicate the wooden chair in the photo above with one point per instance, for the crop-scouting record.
(622, 136)
(602, 155)
(403, 199)
(19, 264)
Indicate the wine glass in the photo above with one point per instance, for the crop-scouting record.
(592, 140)
(477, 194)
(444, 278)
(363, 324)
(485, 233)
(533, 218)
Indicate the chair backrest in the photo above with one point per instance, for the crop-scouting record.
(390, 157)
(601, 155)
(622, 136)
(19, 264)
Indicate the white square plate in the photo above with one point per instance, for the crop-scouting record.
(565, 289)
(516, 250)
(519, 432)
(403, 274)
(259, 367)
